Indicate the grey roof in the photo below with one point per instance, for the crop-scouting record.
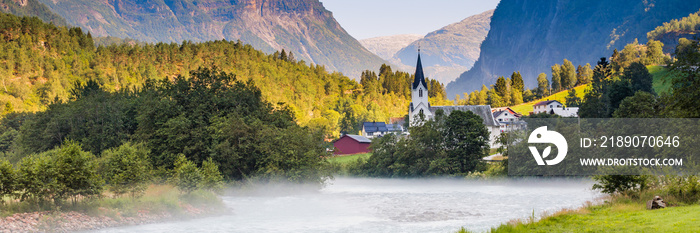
(484, 111)
(358, 138)
(497, 113)
(371, 127)
(394, 127)
(419, 76)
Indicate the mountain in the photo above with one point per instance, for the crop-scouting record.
(448, 51)
(303, 27)
(387, 46)
(31, 8)
(531, 36)
(456, 44)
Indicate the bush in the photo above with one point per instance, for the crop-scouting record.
(211, 177)
(8, 179)
(620, 184)
(58, 174)
(127, 169)
(37, 176)
(187, 175)
(683, 188)
(76, 172)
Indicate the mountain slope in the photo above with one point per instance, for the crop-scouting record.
(448, 51)
(454, 44)
(531, 36)
(387, 46)
(303, 27)
(31, 8)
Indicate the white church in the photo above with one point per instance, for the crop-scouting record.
(421, 106)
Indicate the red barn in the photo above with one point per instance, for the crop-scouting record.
(351, 144)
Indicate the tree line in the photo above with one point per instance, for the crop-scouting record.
(511, 91)
(690, 23)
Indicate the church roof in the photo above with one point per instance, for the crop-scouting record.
(420, 77)
(484, 111)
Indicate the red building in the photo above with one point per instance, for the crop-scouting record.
(351, 144)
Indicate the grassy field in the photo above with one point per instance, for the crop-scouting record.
(348, 158)
(663, 78)
(613, 218)
(528, 107)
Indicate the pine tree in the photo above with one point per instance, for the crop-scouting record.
(501, 87)
(556, 78)
(568, 75)
(542, 85)
(517, 82)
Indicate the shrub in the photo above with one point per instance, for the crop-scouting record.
(211, 177)
(621, 184)
(127, 169)
(187, 175)
(8, 179)
(58, 174)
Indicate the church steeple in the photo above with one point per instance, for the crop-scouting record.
(420, 78)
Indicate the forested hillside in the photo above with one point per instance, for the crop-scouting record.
(303, 27)
(529, 36)
(41, 63)
(671, 31)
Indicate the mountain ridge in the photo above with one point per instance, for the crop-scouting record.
(303, 27)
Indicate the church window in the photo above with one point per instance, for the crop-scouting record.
(420, 93)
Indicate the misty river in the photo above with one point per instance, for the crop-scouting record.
(386, 205)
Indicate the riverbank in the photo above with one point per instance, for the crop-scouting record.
(610, 217)
(161, 203)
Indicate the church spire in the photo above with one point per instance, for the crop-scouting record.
(419, 79)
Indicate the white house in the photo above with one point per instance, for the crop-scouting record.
(555, 107)
(508, 118)
(420, 107)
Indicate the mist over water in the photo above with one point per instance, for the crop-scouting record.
(385, 205)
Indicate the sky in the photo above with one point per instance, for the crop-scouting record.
(373, 18)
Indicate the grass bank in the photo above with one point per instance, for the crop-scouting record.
(346, 159)
(341, 164)
(618, 217)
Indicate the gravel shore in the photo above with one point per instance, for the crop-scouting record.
(75, 221)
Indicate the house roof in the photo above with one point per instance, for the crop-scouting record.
(371, 127)
(419, 76)
(358, 138)
(498, 111)
(484, 111)
(546, 102)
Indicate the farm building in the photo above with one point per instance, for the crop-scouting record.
(351, 144)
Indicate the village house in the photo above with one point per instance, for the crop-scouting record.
(379, 129)
(508, 118)
(420, 106)
(555, 107)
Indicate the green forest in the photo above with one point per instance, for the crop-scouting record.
(40, 63)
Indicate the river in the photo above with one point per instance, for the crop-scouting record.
(385, 205)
